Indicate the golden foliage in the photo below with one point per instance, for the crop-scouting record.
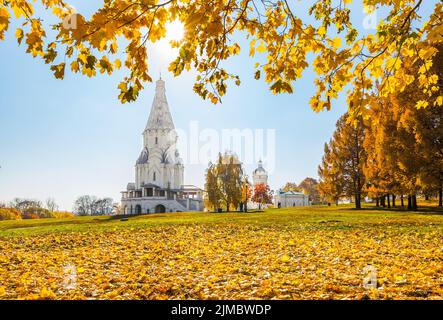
(227, 260)
(62, 214)
(10, 214)
(280, 42)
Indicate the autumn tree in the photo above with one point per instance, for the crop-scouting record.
(213, 195)
(381, 168)
(224, 181)
(403, 140)
(331, 182)
(230, 175)
(282, 40)
(344, 161)
(291, 186)
(262, 195)
(310, 187)
(419, 135)
(428, 131)
(246, 193)
(430, 145)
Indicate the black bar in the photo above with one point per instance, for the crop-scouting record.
(221, 309)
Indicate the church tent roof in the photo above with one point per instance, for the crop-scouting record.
(291, 193)
(160, 117)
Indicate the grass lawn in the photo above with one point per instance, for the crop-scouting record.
(294, 253)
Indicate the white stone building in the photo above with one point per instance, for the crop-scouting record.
(290, 199)
(259, 175)
(159, 170)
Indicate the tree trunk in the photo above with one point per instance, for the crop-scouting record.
(227, 206)
(440, 197)
(393, 200)
(383, 201)
(389, 200)
(357, 200)
(402, 201)
(414, 202)
(358, 194)
(409, 202)
(377, 202)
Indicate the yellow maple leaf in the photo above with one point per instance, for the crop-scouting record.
(285, 258)
(321, 31)
(46, 294)
(421, 104)
(2, 291)
(336, 43)
(117, 63)
(261, 47)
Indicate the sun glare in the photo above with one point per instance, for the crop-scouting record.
(175, 31)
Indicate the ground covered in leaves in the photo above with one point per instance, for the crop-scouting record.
(302, 253)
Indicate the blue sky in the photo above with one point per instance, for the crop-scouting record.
(63, 139)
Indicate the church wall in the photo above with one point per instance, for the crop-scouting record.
(178, 176)
(291, 200)
(148, 206)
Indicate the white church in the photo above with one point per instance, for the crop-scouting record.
(159, 170)
(259, 176)
(281, 199)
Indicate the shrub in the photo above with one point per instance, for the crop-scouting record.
(62, 214)
(9, 214)
(37, 211)
(30, 215)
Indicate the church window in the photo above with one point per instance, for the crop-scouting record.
(153, 177)
(156, 140)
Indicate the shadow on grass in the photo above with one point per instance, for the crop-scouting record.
(45, 222)
(421, 210)
(249, 211)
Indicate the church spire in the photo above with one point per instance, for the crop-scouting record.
(260, 164)
(160, 116)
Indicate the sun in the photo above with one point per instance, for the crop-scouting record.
(175, 31)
